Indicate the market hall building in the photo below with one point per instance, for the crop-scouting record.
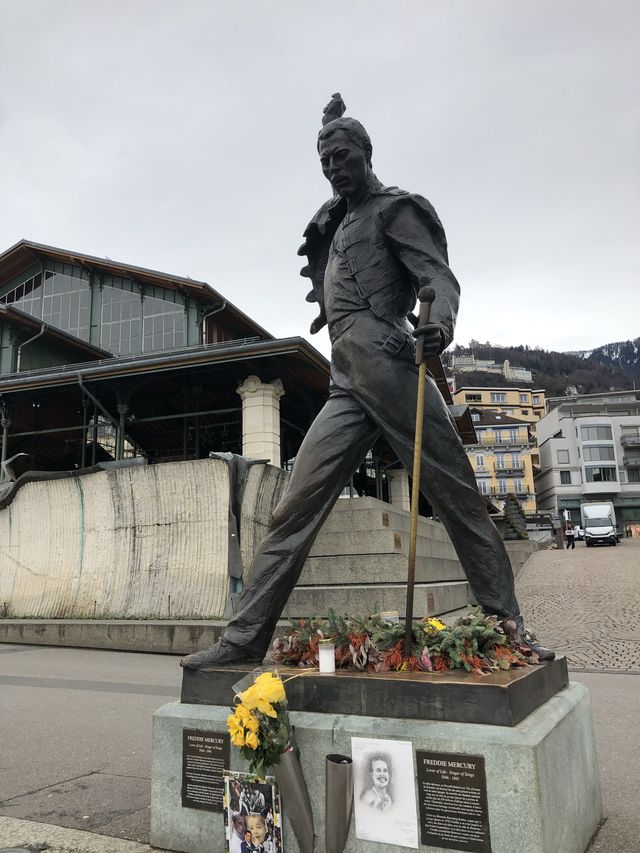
(103, 361)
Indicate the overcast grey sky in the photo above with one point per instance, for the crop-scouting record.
(181, 136)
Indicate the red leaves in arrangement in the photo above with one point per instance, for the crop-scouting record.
(506, 658)
(440, 664)
(475, 642)
(392, 659)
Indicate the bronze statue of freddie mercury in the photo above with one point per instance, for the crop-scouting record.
(370, 249)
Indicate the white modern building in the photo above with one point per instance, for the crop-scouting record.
(589, 450)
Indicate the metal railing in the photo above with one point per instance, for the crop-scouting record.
(497, 491)
(502, 441)
(74, 367)
(631, 461)
(630, 440)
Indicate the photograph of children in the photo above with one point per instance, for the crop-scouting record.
(252, 814)
(384, 795)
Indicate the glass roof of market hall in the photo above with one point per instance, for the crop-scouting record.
(120, 308)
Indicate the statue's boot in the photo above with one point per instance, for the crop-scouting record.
(222, 653)
(525, 638)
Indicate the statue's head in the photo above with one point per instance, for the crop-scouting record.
(345, 150)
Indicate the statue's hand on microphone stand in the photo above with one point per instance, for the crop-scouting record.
(432, 339)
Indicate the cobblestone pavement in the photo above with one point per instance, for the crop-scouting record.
(585, 604)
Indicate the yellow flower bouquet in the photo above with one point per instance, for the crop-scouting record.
(259, 725)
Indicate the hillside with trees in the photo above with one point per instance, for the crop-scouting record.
(622, 354)
(553, 371)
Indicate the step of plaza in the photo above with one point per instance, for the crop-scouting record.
(377, 568)
(430, 599)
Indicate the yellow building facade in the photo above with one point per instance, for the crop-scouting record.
(522, 403)
(503, 458)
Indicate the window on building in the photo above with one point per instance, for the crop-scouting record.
(27, 296)
(483, 488)
(603, 474)
(524, 411)
(565, 478)
(599, 453)
(163, 325)
(524, 398)
(473, 398)
(498, 397)
(121, 321)
(596, 433)
(517, 486)
(563, 457)
(500, 463)
(630, 430)
(633, 475)
(62, 301)
(479, 460)
(536, 400)
(513, 436)
(516, 461)
(475, 416)
(66, 303)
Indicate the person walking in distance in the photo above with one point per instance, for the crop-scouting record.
(570, 535)
(370, 249)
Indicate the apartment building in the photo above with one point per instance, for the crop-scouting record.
(589, 449)
(502, 460)
(524, 404)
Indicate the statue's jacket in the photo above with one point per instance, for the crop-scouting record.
(395, 244)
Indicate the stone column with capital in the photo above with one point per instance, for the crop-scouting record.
(399, 495)
(261, 418)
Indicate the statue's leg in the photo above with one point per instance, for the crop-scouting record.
(331, 451)
(448, 482)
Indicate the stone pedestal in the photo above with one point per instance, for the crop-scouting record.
(261, 418)
(542, 777)
(399, 494)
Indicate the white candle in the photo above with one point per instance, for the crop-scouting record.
(327, 656)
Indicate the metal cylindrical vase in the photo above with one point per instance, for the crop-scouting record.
(295, 799)
(338, 801)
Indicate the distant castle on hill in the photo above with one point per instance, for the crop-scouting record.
(470, 364)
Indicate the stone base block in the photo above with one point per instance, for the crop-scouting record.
(542, 776)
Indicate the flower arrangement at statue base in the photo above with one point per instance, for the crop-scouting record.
(259, 724)
(475, 642)
(260, 727)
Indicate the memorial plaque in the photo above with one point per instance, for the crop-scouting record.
(205, 755)
(452, 793)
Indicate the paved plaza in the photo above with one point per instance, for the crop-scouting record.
(585, 603)
(76, 735)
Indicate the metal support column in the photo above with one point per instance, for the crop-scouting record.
(5, 422)
(83, 447)
(123, 408)
(94, 436)
(197, 391)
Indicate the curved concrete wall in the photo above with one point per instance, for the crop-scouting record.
(140, 541)
(157, 542)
